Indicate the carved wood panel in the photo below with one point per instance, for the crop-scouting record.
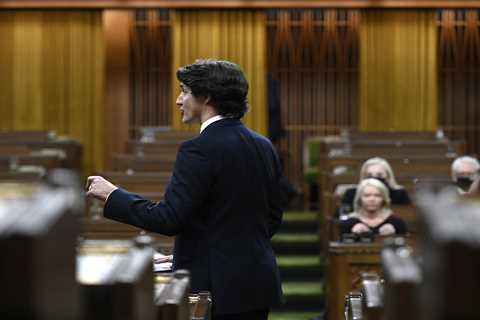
(459, 75)
(150, 73)
(313, 55)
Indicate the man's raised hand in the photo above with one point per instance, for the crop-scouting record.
(99, 188)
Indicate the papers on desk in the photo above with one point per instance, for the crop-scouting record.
(97, 269)
(161, 262)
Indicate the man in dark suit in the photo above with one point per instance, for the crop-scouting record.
(223, 202)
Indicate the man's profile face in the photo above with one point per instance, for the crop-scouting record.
(190, 107)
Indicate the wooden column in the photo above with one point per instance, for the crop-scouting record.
(116, 25)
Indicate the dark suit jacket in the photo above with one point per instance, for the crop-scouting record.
(223, 205)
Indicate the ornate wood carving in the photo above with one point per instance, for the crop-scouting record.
(313, 55)
(459, 75)
(116, 24)
(239, 4)
(150, 77)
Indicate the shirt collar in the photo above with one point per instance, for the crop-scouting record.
(210, 121)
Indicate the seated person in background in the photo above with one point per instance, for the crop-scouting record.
(372, 212)
(380, 169)
(465, 170)
(475, 187)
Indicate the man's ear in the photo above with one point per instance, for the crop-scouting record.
(204, 99)
(207, 100)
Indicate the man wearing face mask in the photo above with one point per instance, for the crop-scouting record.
(465, 170)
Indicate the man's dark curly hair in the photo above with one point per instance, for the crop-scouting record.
(221, 81)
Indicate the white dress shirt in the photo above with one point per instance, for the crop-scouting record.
(210, 121)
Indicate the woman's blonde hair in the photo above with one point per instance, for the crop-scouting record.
(392, 182)
(371, 182)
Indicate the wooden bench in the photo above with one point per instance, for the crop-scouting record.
(38, 235)
(14, 149)
(401, 165)
(327, 143)
(391, 135)
(149, 134)
(133, 163)
(26, 142)
(116, 279)
(396, 296)
(172, 296)
(102, 228)
(153, 148)
(19, 136)
(14, 163)
(385, 148)
(402, 280)
(346, 262)
(450, 255)
(15, 176)
(409, 167)
(408, 181)
(139, 182)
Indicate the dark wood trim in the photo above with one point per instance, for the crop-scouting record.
(118, 4)
(116, 24)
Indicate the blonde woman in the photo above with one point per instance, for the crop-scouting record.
(372, 211)
(380, 169)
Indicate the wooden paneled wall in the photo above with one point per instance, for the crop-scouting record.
(398, 70)
(238, 4)
(116, 29)
(52, 76)
(313, 54)
(151, 68)
(459, 75)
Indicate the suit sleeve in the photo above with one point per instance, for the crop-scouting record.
(185, 193)
(275, 199)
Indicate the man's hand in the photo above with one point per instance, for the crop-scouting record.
(163, 259)
(99, 188)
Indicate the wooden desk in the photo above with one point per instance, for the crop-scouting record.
(345, 264)
(38, 234)
(102, 228)
(116, 279)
